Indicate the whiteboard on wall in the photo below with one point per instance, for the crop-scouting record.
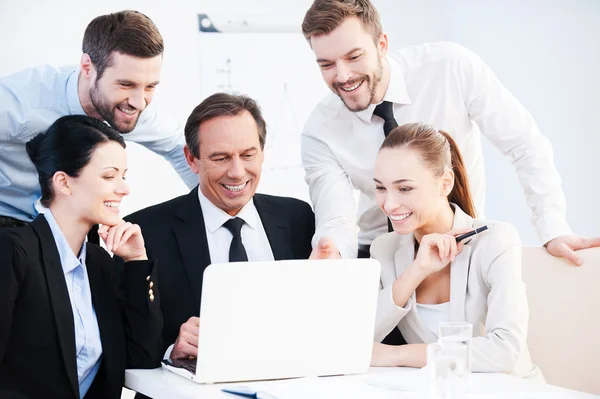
(276, 67)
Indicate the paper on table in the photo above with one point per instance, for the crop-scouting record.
(360, 387)
(520, 395)
(349, 387)
(481, 385)
(496, 385)
(408, 381)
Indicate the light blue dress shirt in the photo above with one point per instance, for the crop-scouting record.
(88, 346)
(30, 101)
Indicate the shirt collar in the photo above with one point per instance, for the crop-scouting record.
(461, 219)
(396, 92)
(215, 217)
(68, 260)
(73, 94)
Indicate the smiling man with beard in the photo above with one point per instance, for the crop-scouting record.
(375, 90)
(114, 82)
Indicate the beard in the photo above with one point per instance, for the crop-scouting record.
(109, 112)
(372, 82)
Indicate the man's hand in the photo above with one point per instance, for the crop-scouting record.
(325, 249)
(186, 344)
(565, 246)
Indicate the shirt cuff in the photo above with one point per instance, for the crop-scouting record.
(550, 227)
(168, 352)
(349, 251)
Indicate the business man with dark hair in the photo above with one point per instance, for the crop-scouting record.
(221, 220)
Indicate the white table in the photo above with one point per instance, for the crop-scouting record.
(163, 384)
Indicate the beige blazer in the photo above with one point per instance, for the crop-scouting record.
(485, 289)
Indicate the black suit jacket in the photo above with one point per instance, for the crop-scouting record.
(174, 232)
(37, 333)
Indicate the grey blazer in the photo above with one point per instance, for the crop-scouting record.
(485, 289)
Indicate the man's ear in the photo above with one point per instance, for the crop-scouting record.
(86, 65)
(60, 184)
(191, 160)
(382, 45)
(447, 182)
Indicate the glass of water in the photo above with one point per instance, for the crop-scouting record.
(447, 370)
(460, 332)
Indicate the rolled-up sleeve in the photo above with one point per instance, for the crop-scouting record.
(332, 196)
(512, 129)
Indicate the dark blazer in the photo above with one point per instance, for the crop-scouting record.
(37, 334)
(174, 232)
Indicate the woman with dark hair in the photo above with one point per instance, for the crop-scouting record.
(426, 277)
(66, 330)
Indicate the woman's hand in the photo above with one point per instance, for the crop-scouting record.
(436, 251)
(124, 240)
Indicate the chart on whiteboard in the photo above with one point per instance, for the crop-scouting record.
(279, 71)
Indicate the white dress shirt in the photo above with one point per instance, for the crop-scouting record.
(219, 237)
(451, 88)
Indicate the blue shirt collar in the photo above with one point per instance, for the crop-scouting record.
(73, 94)
(68, 260)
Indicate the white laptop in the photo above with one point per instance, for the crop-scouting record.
(284, 319)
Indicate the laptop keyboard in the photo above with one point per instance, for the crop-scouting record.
(186, 364)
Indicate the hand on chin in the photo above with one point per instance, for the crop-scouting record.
(125, 240)
(110, 220)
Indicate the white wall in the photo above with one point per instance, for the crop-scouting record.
(543, 51)
(547, 54)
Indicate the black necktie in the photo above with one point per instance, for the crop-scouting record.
(385, 111)
(237, 252)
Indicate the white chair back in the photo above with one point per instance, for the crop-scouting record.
(564, 317)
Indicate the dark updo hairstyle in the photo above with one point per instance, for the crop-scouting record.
(67, 146)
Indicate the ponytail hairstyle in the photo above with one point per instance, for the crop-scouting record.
(439, 152)
(67, 146)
